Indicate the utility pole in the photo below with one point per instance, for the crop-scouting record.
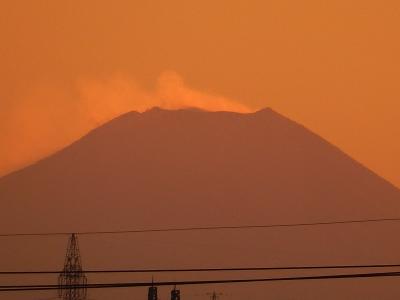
(175, 294)
(152, 292)
(72, 281)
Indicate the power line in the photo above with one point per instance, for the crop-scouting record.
(16, 288)
(309, 267)
(155, 230)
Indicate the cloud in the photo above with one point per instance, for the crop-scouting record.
(102, 100)
(49, 117)
(172, 93)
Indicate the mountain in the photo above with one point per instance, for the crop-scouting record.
(190, 167)
(200, 167)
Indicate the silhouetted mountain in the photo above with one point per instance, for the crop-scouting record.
(191, 167)
(195, 168)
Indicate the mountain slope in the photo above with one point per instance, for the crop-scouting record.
(205, 167)
(194, 168)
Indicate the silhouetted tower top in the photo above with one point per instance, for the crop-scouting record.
(73, 257)
(152, 294)
(175, 294)
(72, 281)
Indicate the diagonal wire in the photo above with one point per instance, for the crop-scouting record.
(234, 269)
(16, 288)
(177, 229)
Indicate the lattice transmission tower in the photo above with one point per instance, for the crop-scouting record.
(72, 281)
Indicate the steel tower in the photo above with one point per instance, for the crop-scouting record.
(72, 281)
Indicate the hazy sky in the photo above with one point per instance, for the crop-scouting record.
(334, 66)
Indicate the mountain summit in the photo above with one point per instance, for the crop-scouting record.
(186, 168)
(192, 167)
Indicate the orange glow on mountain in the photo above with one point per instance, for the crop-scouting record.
(331, 66)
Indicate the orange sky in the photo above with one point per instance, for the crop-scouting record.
(66, 66)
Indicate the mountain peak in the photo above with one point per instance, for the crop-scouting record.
(209, 165)
(185, 168)
(155, 109)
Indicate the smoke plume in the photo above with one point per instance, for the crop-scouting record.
(48, 117)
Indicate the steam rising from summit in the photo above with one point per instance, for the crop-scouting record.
(30, 132)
